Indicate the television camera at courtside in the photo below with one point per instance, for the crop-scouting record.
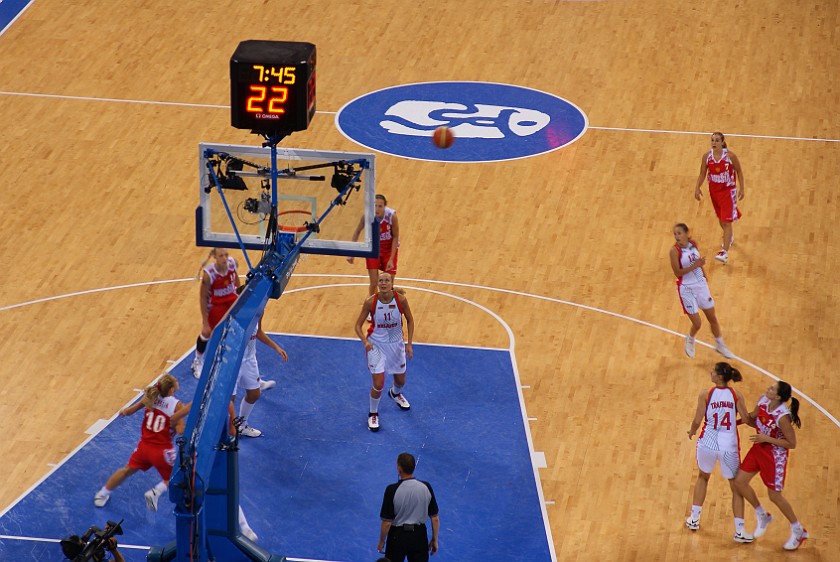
(92, 545)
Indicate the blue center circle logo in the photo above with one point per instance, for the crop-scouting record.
(491, 122)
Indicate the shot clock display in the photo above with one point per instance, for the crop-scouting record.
(272, 86)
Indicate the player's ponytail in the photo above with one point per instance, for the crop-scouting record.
(784, 391)
(160, 389)
(728, 372)
(210, 256)
(723, 138)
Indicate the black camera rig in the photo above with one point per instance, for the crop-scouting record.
(91, 545)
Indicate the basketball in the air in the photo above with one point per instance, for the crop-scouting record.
(443, 137)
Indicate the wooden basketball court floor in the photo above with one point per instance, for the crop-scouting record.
(103, 104)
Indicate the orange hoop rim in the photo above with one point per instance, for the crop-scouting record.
(292, 228)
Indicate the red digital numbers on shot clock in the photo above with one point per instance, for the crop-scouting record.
(268, 98)
(272, 86)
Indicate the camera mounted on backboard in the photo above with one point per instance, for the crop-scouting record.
(346, 174)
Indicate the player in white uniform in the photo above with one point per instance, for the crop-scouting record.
(694, 290)
(718, 409)
(384, 346)
(249, 378)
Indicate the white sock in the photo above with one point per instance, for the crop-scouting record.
(689, 338)
(760, 511)
(719, 341)
(374, 405)
(796, 527)
(104, 491)
(396, 389)
(739, 524)
(243, 523)
(160, 488)
(695, 512)
(245, 409)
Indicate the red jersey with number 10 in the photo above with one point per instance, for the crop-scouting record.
(156, 428)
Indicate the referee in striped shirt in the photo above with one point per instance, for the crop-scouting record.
(405, 508)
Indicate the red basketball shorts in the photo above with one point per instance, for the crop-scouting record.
(381, 263)
(770, 461)
(216, 312)
(725, 202)
(146, 456)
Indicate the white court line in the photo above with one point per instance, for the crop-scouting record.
(115, 100)
(211, 106)
(704, 133)
(804, 396)
(90, 291)
(347, 338)
(131, 546)
(40, 539)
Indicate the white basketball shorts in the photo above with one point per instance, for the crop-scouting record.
(388, 358)
(695, 298)
(729, 461)
(249, 374)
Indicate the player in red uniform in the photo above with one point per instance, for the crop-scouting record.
(723, 170)
(163, 416)
(389, 243)
(217, 294)
(769, 454)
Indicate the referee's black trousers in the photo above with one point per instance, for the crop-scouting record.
(402, 543)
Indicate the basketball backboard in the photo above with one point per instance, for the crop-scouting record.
(309, 187)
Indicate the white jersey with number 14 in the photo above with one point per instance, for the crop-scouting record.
(720, 432)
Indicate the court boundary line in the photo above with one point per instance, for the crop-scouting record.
(347, 338)
(129, 546)
(589, 126)
(761, 370)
